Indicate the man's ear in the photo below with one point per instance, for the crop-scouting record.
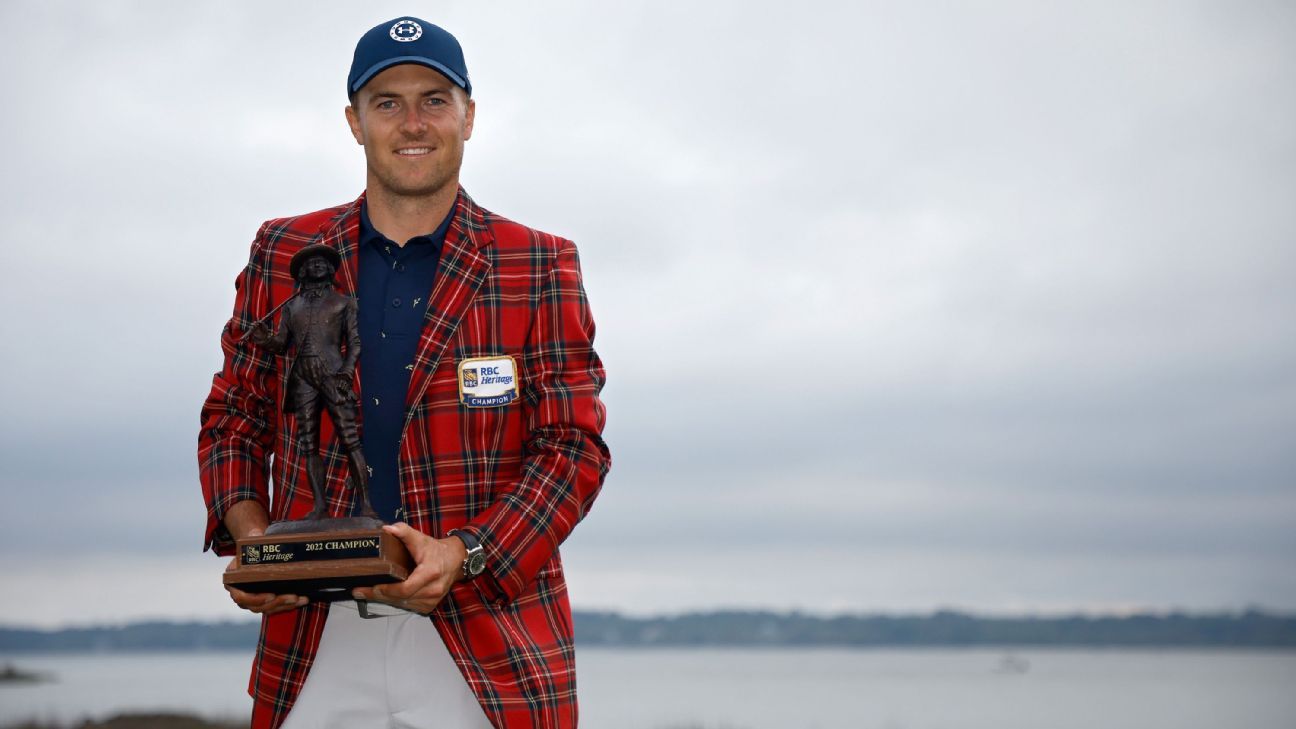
(353, 121)
(469, 115)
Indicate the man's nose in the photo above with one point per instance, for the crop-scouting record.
(413, 121)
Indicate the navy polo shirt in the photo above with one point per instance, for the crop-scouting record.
(392, 296)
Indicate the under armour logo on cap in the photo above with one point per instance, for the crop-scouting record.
(406, 31)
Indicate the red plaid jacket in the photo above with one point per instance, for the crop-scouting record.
(519, 476)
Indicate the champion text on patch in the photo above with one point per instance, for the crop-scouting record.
(487, 382)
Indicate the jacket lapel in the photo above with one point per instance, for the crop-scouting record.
(463, 269)
(344, 236)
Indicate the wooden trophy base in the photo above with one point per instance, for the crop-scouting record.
(320, 559)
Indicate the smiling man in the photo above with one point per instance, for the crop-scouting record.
(480, 424)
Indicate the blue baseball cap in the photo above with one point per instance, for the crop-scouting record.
(407, 40)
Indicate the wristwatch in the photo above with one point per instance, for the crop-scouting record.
(475, 563)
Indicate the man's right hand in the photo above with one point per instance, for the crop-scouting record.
(265, 603)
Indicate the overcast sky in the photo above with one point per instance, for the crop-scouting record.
(903, 305)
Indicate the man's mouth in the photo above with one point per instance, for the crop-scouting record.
(414, 151)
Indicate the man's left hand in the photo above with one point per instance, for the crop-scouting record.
(438, 564)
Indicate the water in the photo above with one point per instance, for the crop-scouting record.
(774, 689)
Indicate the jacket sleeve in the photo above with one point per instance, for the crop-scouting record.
(239, 417)
(566, 459)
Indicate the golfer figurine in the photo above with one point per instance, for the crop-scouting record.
(318, 321)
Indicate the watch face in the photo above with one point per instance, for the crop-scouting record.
(475, 563)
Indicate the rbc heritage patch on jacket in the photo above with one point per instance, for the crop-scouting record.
(486, 382)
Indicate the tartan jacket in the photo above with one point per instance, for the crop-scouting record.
(519, 477)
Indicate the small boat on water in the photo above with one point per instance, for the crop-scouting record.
(11, 674)
(1012, 664)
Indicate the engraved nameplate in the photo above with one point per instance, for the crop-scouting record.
(289, 551)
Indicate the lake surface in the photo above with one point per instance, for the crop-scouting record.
(708, 688)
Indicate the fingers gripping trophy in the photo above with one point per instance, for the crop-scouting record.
(317, 555)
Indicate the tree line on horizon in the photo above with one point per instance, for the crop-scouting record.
(1252, 629)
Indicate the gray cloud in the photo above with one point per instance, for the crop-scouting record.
(975, 306)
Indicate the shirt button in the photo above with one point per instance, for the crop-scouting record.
(400, 267)
(396, 302)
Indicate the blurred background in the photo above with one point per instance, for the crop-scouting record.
(905, 306)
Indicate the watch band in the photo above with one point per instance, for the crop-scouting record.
(475, 563)
(470, 542)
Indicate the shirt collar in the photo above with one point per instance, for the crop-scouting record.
(370, 235)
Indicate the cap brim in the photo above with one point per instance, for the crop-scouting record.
(387, 63)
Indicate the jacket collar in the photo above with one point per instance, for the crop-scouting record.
(463, 268)
(468, 232)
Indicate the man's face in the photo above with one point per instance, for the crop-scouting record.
(413, 123)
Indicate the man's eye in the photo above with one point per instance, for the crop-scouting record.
(387, 105)
(436, 102)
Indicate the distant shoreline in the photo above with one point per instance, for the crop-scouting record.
(151, 720)
(758, 629)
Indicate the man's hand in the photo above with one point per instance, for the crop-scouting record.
(438, 565)
(265, 603)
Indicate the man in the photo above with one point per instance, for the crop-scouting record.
(481, 426)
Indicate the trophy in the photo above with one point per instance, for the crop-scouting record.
(316, 556)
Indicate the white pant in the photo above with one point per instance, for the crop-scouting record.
(391, 672)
